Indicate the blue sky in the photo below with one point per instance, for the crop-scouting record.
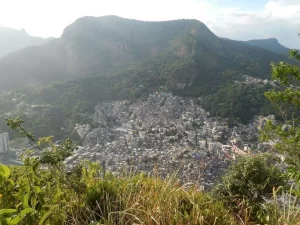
(242, 4)
(235, 19)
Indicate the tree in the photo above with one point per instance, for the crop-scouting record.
(285, 134)
(248, 182)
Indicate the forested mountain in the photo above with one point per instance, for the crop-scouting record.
(105, 45)
(33, 65)
(271, 44)
(108, 58)
(12, 40)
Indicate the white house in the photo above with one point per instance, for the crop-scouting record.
(4, 145)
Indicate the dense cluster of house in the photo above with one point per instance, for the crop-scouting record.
(164, 134)
(254, 80)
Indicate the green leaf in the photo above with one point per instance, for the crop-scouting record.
(16, 220)
(33, 201)
(37, 189)
(6, 170)
(11, 182)
(25, 201)
(7, 211)
(45, 218)
(58, 194)
(24, 212)
(46, 206)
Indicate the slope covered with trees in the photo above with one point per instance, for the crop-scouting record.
(96, 46)
(270, 44)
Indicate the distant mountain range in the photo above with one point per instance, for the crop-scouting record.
(12, 40)
(180, 53)
(271, 44)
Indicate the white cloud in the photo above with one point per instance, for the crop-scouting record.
(279, 18)
(287, 2)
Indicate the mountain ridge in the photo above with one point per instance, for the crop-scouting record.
(271, 44)
(94, 46)
(12, 40)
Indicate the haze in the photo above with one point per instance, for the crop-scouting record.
(235, 19)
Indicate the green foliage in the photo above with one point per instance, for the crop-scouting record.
(41, 191)
(55, 154)
(103, 198)
(286, 134)
(248, 182)
(57, 108)
(16, 125)
(33, 195)
(238, 102)
(150, 200)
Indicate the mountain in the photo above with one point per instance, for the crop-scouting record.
(97, 45)
(12, 40)
(271, 44)
(111, 58)
(179, 54)
(33, 65)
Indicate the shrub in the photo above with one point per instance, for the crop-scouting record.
(247, 183)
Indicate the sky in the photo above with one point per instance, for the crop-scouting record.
(235, 19)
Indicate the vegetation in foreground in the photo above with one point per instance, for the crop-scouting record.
(44, 191)
(40, 197)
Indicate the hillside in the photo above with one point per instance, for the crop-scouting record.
(111, 58)
(12, 40)
(270, 44)
(108, 45)
(199, 71)
(33, 65)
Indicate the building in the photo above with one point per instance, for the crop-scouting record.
(4, 145)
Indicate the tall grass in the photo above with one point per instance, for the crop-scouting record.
(153, 201)
(285, 208)
(125, 200)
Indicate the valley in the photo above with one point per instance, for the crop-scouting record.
(161, 132)
(166, 133)
(125, 121)
(137, 95)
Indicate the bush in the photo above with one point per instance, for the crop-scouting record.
(103, 199)
(248, 183)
